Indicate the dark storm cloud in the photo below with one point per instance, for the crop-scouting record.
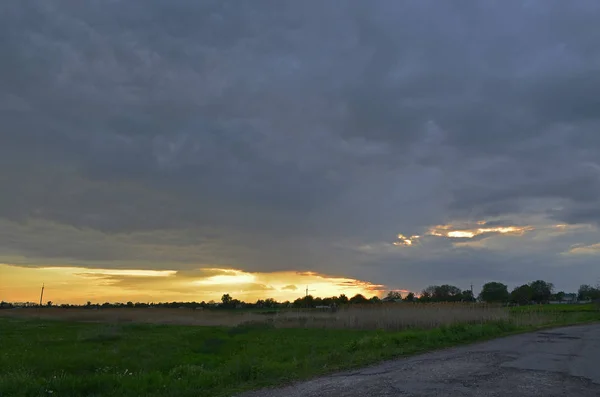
(284, 134)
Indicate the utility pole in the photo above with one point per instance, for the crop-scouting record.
(306, 297)
(42, 295)
(472, 293)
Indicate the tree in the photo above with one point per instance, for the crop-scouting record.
(305, 301)
(393, 296)
(342, 299)
(494, 292)
(227, 300)
(448, 293)
(541, 291)
(442, 293)
(358, 299)
(410, 297)
(375, 299)
(425, 296)
(129, 304)
(559, 296)
(329, 301)
(467, 296)
(270, 303)
(49, 304)
(521, 295)
(429, 292)
(587, 292)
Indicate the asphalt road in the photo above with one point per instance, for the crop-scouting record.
(557, 362)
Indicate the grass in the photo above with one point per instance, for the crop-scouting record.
(58, 358)
(591, 307)
(392, 317)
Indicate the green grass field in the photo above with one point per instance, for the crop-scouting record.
(55, 358)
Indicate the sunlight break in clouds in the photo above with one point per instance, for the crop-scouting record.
(403, 240)
(78, 285)
(453, 231)
(230, 277)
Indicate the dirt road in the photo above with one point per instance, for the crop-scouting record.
(558, 362)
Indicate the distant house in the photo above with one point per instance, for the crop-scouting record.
(570, 298)
(24, 304)
(331, 308)
(566, 299)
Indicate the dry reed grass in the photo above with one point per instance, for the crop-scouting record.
(135, 315)
(394, 316)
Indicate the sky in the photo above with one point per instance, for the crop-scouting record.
(159, 150)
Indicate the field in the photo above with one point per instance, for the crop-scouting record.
(392, 317)
(129, 352)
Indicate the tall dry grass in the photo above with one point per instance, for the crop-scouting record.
(135, 315)
(393, 316)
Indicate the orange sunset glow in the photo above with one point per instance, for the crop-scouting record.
(79, 285)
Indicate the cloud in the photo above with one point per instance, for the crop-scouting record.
(581, 249)
(290, 287)
(120, 272)
(301, 136)
(480, 228)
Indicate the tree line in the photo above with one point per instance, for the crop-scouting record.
(538, 291)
